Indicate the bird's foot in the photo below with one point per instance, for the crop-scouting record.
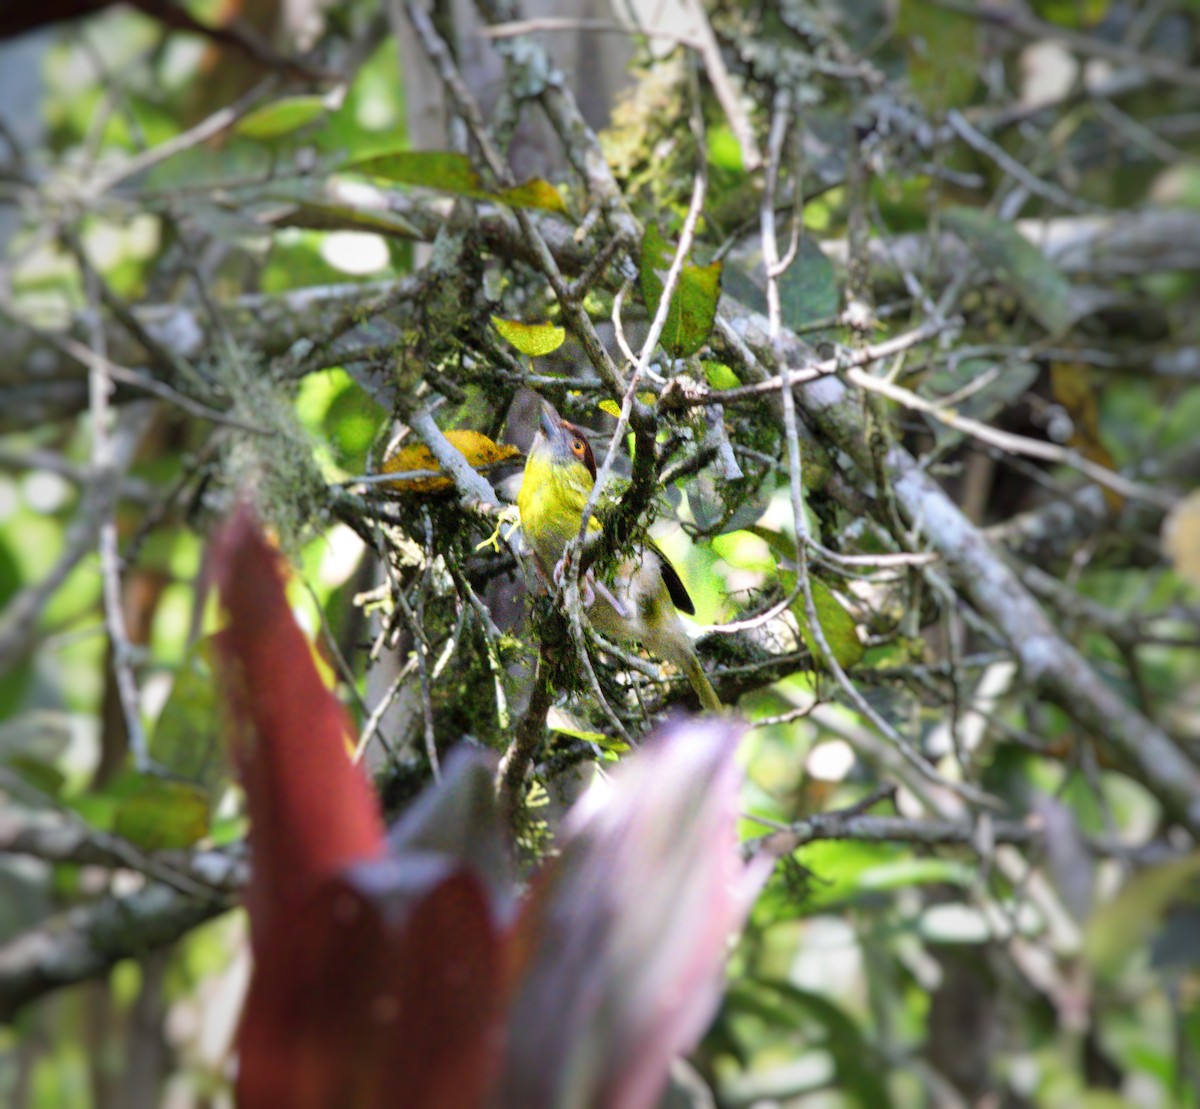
(607, 594)
(589, 589)
(560, 568)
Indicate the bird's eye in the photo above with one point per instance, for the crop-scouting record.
(577, 446)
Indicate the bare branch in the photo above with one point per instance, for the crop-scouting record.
(87, 941)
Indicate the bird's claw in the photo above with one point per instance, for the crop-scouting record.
(588, 586)
(607, 594)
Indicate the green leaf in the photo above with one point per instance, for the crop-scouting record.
(838, 625)
(1076, 14)
(694, 303)
(281, 117)
(784, 1006)
(898, 873)
(566, 723)
(984, 385)
(40, 735)
(808, 289)
(1123, 927)
(720, 376)
(453, 173)
(942, 51)
(1103, 1099)
(431, 169)
(43, 776)
(239, 159)
(533, 339)
(187, 739)
(328, 215)
(836, 865)
(744, 289)
(15, 678)
(163, 815)
(745, 550)
(1042, 290)
(352, 421)
(724, 150)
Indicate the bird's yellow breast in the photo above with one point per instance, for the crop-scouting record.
(551, 502)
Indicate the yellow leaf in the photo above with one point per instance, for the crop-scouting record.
(534, 193)
(417, 459)
(611, 407)
(531, 338)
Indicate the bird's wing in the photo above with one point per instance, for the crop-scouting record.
(680, 597)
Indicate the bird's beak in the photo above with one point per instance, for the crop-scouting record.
(551, 424)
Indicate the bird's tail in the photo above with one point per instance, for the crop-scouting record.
(673, 644)
(700, 683)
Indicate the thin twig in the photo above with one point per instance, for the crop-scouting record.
(104, 462)
(19, 620)
(1010, 441)
(1045, 189)
(371, 725)
(650, 343)
(220, 120)
(573, 313)
(1014, 19)
(824, 368)
(780, 118)
(601, 26)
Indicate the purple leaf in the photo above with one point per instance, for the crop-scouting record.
(622, 942)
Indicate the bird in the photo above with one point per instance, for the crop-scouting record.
(560, 473)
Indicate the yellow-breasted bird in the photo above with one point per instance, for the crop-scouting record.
(560, 473)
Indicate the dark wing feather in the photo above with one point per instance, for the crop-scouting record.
(679, 594)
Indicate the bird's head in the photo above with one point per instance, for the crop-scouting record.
(560, 444)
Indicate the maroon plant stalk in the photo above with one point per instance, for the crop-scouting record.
(371, 977)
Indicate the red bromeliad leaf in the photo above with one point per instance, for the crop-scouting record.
(620, 948)
(385, 991)
(312, 813)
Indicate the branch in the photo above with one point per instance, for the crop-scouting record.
(1047, 660)
(573, 312)
(888, 829)
(1101, 246)
(620, 526)
(514, 766)
(18, 622)
(88, 941)
(980, 835)
(1029, 26)
(43, 384)
(196, 874)
(531, 67)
